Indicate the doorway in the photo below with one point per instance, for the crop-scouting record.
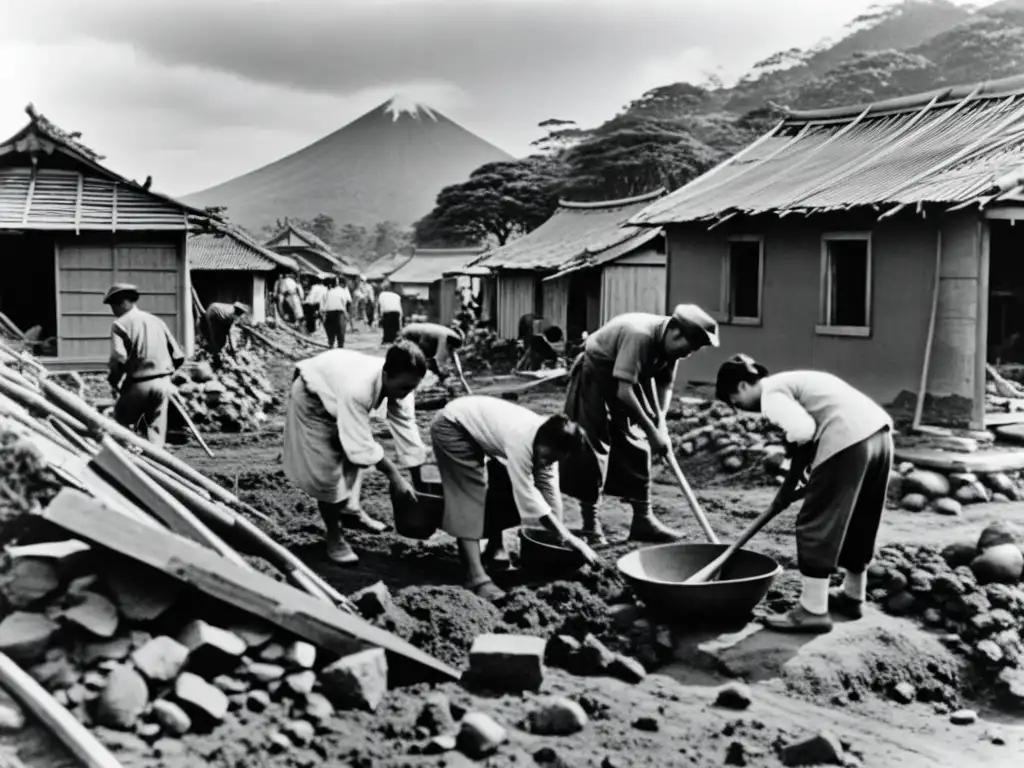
(28, 289)
(1006, 292)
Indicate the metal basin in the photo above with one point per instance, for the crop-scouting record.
(656, 575)
(541, 552)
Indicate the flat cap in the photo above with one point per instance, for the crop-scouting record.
(695, 317)
(119, 289)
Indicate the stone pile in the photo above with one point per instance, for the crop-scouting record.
(234, 396)
(969, 591)
(946, 493)
(735, 440)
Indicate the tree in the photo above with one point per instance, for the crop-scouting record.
(496, 203)
(559, 136)
(671, 102)
(389, 237)
(867, 77)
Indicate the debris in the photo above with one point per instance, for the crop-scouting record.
(357, 681)
(903, 693)
(28, 581)
(254, 633)
(273, 652)
(123, 700)
(822, 749)
(374, 600)
(204, 703)
(624, 614)
(210, 648)
(963, 717)
(26, 636)
(230, 685)
(480, 736)
(172, 718)
(557, 716)
(436, 715)
(508, 663)
(562, 651)
(161, 659)
(441, 743)
(736, 753)
(734, 696)
(114, 649)
(277, 742)
(95, 614)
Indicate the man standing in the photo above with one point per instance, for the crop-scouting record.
(620, 389)
(335, 305)
(389, 305)
(289, 299)
(218, 320)
(311, 305)
(143, 356)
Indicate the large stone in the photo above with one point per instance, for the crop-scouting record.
(959, 554)
(627, 669)
(963, 717)
(12, 719)
(595, 658)
(373, 601)
(999, 564)
(300, 655)
(161, 659)
(823, 749)
(557, 716)
(300, 683)
(357, 681)
(1010, 688)
(1001, 532)
(300, 732)
(123, 700)
(254, 633)
(562, 651)
(172, 718)
(69, 557)
(734, 696)
(480, 736)
(26, 636)
(95, 614)
(264, 674)
(141, 594)
(436, 715)
(55, 674)
(507, 663)
(30, 580)
(211, 650)
(931, 484)
(204, 703)
(318, 708)
(114, 649)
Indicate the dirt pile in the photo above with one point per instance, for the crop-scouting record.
(232, 395)
(486, 352)
(946, 493)
(26, 482)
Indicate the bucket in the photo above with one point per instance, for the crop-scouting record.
(419, 519)
(541, 551)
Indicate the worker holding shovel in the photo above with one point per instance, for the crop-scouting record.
(845, 438)
(440, 344)
(620, 389)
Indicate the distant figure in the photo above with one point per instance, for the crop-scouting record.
(440, 344)
(335, 308)
(289, 299)
(217, 323)
(370, 303)
(389, 304)
(538, 348)
(312, 303)
(143, 356)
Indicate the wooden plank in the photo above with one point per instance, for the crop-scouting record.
(1000, 419)
(1007, 460)
(251, 591)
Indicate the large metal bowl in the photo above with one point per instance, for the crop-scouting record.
(657, 574)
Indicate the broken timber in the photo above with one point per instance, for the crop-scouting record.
(314, 620)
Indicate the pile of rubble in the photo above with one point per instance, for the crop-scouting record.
(970, 591)
(946, 493)
(233, 396)
(732, 440)
(486, 352)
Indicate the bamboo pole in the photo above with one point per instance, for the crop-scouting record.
(270, 343)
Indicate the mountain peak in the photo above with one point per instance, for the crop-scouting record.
(402, 105)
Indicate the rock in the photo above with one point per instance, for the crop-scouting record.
(736, 753)
(1000, 483)
(480, 736)
(140, 637)
(373, 601)
(257, 701)
(168, 747)
(230, 685)
(562, 651)
(82, 584)
(210, 649)
(914, 502)
(1010, 689)
(996, 737)
(648, 724)
(823, 749)
(94, 680)
(623, 614)
(141, 594)
(557, 716)
(959, 554)
(1001, 564)
(265, 673)
(931, 484)
(933, 617)
(903, 693)
(964, 717)
(732, 463)
(204, 703)
(161, 659)
(115, 649)
(30, 580)
(254, 633)
(26, 636)
(357, 681)
(300, 655)
(507, 663)
(627, 669)
(273, 652)
(900, 604)
(277, 742)
(172, 718)
(300, 683)
(149, 732)
(12, 719)
(1000, 532)
(948, 506)
(68, 558)
(123, 700)
(595, 657)
(734, 696)
(440, 744)
(300, 732)
(436, 714)
(905, 468)
(972, 493)
(95, 614)
(989, 651)
(54, 674)
(318, 708)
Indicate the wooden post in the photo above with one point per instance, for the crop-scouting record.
(981, 343)
(922, 390)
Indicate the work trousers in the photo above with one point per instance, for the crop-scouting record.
(390, 323)
(309, 312)
(143, 405)
(842, 509)
(335, 324)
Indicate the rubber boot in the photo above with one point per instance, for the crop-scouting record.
(648, 528)
(593, 531)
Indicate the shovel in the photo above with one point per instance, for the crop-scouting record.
(691, 499)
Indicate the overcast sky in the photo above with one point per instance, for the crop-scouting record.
(195, 92)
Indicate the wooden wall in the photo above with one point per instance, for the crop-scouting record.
(448, 300)
(629, 288)
(555, 309)
(229, 286)
(517, 296)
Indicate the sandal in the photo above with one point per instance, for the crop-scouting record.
(842, 604)
(358, 520)
(340, 551)
(487, 590)
(496, 559)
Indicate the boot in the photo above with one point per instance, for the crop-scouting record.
(648, 528)
(593, 531)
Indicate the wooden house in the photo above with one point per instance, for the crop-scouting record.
(421, 282)
(69, 228)
(378, 271)
(228, 266)
(580, 267)
(876, 242)
(313, 255)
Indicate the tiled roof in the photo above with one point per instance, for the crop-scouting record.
(384, 266)
(342, 264)
(574, 231)
(954, 146)
(430, 264)
(231, 250)
(35, 196)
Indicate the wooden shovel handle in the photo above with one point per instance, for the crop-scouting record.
(691, 499)
(708, 571)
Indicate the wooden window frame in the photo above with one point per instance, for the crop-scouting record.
(824, 327)
(725, 300)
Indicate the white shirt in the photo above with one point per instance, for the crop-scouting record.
(349, 384)
(389, 301)
(506, 431)
(336, 300)
(316, 294)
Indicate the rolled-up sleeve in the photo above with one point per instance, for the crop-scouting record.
(356, 434)
(787, 414)
(177, 355)
(529, 499)
(546, 481)
(402, 423)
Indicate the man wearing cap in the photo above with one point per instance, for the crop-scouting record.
(620, 388)
(217, 323)
(143, 357)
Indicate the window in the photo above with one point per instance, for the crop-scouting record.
(742, 278)
(845, 285)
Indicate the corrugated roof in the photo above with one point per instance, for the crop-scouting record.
(953, 146)
(94, 198)
(227, 249)
(574, 231)
(430, 264)
(384, 266)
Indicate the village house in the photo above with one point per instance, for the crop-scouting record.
(313, 254)
(877, 242)
(421, 281)
(378, 271)
(69, 228)
(228, 266)
(580, 268)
